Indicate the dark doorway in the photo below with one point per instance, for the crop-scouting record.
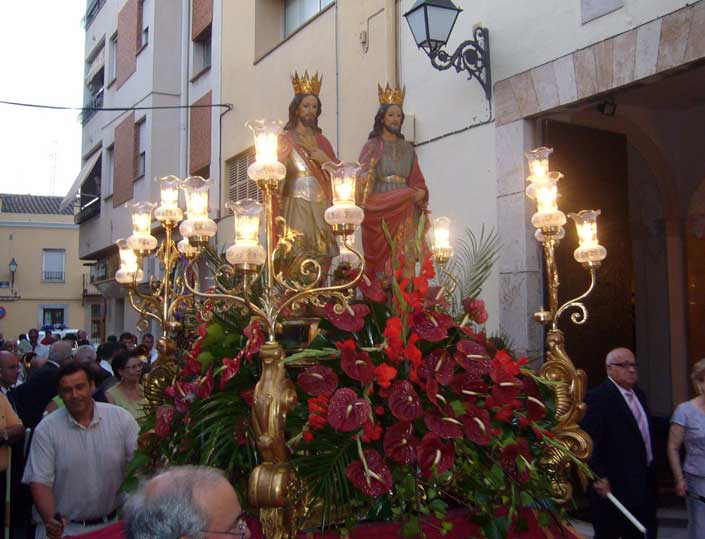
(594, 164)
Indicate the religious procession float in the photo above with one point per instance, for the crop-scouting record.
(347, 393)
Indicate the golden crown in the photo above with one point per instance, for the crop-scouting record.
(389, 96)
(306, 85)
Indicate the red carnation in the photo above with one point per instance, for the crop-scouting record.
(477, 425)
(352, 318)
(404, 402)
(385, 374)
(503, 360)
(318, 380)
(434, 455)
(347, 411)
(515, 460)
(317, 412)
(371, 431)
(400, 443)
(376, 481)
(472, 356)
(444, 424)
(356, 365)
(165, 415)
(393, 336)
(440, 365)
(371, 288)
(432, 326)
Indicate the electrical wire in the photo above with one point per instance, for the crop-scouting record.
(228, 106)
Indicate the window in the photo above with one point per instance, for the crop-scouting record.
(53, 316)
(112, 59)
(202, 51)
(143, 37)
(109, 170)
(297, 12)
(141, 147)
(240, 186)
(53, 265)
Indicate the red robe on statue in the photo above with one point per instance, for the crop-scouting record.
(397, 208)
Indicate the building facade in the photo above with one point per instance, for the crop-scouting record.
(42, 280)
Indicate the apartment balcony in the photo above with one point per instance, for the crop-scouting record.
(88, 210)
(89, 289)
(96, 102)
(92, 12)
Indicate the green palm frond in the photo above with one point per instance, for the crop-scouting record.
(473, 261)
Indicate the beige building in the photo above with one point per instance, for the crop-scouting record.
(50, 284)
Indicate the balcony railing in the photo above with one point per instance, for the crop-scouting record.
(53, 276)
(88, 288)
(87, 211)
(96, 102)
(92, 12)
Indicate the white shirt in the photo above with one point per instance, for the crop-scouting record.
(625, 395)
(84, 466)
(153, 354)
(107, 366)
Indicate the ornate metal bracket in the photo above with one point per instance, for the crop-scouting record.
(472, 56)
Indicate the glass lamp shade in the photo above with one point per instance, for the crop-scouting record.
(185, 248)
(266, 135)
(129, 269)
(247, 213)
(343, 215)
(589, 251)
(142, 240)
(544, 189)
(431, 22)
(169, 211)
(538, 161)
(440, 246)
(198, 225)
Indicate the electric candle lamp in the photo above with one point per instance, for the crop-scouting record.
(266, 167)
(343, 216)
(589, 252)
(538, 161)
(246, 251)
(128, 264)
(440, 247)
(198, 227)
(545, 191)
(169, 211)
(142, 241)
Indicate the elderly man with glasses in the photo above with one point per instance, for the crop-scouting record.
(618, 420)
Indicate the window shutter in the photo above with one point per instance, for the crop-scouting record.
(240, 186)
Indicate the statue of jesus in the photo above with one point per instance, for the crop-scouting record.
(398, 195)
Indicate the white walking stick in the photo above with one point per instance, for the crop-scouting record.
(8, 483)
(638, 525)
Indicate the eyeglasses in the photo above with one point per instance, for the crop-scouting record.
(132, 367)
(634, 366)
(239, 530)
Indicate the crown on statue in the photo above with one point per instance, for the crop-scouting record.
(306, 85)
(391, 96)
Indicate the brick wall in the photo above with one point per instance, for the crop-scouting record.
(128, 34)
(124, 160)
(201, 16)
(200, 135)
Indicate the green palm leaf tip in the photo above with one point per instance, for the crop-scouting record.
(473, 260)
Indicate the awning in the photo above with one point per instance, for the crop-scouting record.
(82, 176)
(96, 65)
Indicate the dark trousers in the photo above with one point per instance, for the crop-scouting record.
(610, 523)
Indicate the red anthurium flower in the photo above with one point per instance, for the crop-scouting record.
(371, 288)
(356, 365)
(432, 326)
(205, 386)
(511, 457)
(468, 384)
(435, 297)
(165, 415)
(433, 392)
(351, 319)
(477, 425)
(506, 387)
(472, 356)
(404, 402)
(376, 480)
(535, 406)
(192, 368)
(385, 374)
(255, 338)
(400, 443)
(443, 423)
(183, 393)
(347, 411)
(393, 337)
(440, 365)
(232, 367)
(434, 455)
(202, 330)
(318, 380)
(475, 309)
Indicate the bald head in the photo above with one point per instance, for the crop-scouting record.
(60, 351)
(85, 354)
(622, 367)
(9, 369)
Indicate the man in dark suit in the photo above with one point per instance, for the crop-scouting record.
(33, 396)
(618, 420)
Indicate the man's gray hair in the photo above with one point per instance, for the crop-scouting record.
(85, 354)
(165, 506)
(615, 355)
(60, 351)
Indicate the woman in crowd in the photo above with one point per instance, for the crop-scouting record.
(688, 425)
(128, 392)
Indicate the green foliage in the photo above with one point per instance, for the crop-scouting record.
(472, 261)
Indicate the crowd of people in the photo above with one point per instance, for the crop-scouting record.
(69, 420)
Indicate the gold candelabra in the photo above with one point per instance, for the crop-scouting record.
(256, 280)
(569, 383)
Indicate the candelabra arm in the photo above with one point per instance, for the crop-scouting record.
(549, 249)
(454, 283)
(142, 308)
(581, 316)
(207, 295)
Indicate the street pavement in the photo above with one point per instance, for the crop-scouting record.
(673, 524)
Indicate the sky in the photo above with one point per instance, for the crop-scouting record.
(41, 61)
